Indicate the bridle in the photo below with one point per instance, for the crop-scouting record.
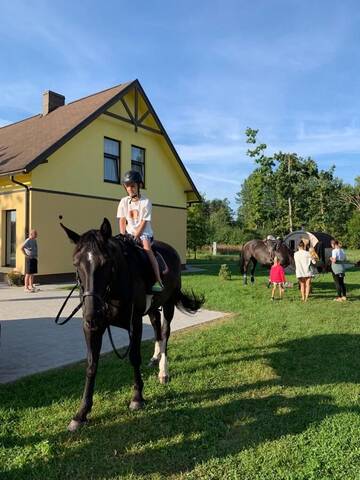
(105, 304)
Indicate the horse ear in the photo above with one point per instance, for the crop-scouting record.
(74, 237)
(105, 229)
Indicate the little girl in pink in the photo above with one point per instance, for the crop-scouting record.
(277, 278)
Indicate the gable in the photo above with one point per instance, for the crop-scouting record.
(27, 144)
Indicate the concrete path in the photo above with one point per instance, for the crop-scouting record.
(31, 341)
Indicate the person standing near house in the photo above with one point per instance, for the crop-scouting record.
(338, 258)
(30, 250)
(303, 260)
(134, 214)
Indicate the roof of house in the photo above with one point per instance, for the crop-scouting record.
(27, 143)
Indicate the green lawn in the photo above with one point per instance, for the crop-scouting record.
(270, 393)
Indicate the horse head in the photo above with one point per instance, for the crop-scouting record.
(94, 265)
(285, 254)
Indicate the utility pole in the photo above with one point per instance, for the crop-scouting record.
(289, 198)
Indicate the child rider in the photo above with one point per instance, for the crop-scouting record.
(134, 214)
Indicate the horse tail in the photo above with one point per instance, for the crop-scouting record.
(188, 302)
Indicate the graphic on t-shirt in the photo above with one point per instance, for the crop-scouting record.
(134, 214)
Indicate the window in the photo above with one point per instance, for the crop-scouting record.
(10, 256)
(111, 160)
(138, 161)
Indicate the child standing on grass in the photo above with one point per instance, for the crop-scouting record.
(277, 278)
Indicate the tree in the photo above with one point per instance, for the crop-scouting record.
(287, 191)
(197, 226)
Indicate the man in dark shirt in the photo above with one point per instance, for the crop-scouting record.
(30, 250)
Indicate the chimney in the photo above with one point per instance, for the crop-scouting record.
(51, 101)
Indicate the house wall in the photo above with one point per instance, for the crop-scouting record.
(78, 165)
(67, 184)
(13, 201)
(81, 214)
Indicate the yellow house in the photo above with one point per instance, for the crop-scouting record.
(69, 161)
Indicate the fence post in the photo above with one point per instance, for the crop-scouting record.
(214, 248)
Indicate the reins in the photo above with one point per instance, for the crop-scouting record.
(77, 284)
(105, 306)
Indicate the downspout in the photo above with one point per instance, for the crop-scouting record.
(27, 197)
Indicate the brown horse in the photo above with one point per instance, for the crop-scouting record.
(113, 275)
(264, 251)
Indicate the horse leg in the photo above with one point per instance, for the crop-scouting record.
(254, 262)
(93, 343)
(168, 309)
(243, 268)
(155, 319)
(137, 401)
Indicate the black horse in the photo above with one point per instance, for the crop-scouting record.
(114, 283)
(264, 251)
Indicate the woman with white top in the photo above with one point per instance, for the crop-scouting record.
(338, 270)
(303, 260)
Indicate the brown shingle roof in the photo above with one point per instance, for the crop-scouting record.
(25, 144)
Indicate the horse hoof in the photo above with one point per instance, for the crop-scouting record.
(164, 380)
(75, 425)
(135, 405)
(154, 362)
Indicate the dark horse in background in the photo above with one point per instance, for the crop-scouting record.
(112, 274)
(263, 252)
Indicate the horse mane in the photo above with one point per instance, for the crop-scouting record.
(94, 241)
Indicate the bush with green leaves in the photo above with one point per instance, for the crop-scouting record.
(225, 272)
(15, 278)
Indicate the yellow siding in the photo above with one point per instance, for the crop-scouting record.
(13, 201)
(78, 165)
(81, 214)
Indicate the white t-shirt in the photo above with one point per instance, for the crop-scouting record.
(135, 213)
(338, 254)
(303, 261)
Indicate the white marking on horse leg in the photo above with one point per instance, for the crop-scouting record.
(163, 364)
(156, 355)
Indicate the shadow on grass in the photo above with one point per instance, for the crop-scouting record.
(183, 429)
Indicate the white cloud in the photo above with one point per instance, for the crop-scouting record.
(334, 141)
(215, 178)
(205, 153)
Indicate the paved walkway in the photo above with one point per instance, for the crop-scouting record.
(31, 341)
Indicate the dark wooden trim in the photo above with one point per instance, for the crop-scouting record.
(123, 101)
(119, 117)
(119, 96)
(167, 138)
(142, 118)
(145, 127)
(49, 151)
(136, 107)
(154, 130)
(57, 192)
(83, 195)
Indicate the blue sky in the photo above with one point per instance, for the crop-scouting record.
(210, 68)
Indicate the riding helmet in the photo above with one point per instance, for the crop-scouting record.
(132, 176)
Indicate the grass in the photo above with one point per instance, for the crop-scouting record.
(270, 393)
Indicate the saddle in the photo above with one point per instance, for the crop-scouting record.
(133, 249)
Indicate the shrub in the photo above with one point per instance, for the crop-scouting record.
(225, 272)
(15, 278)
